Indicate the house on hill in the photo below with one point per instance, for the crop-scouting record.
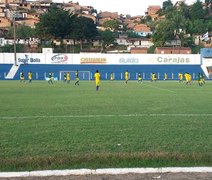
(138, 50)
(152, 12)
(142, 30)
(173, 50)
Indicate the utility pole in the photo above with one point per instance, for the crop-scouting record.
(14, 35)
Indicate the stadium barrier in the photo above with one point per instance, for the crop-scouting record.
(41, 64)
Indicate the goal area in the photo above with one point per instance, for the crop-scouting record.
(83, 75)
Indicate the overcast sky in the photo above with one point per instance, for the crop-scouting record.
(132, 7)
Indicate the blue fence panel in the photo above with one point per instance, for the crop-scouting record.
(41, 71)
(4, 69)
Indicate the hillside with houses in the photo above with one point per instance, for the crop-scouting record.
(125, 33)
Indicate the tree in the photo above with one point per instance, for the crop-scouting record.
(111, 25)
(197, 26)
(22, 32)
(132, 34)
(178, 20)
(83, 28)
(108, 38)
(165, 32)
(197, 11)
(184, 11)
(167, 5)
(56, 23)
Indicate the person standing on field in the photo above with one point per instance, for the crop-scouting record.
(68, 77)
(50, 81)
(165, 77)
(139, 78)
(180, 75)
(112, 76)
(65, 77)
(77, 78)
(97, 79)
(126, 74)
(22, 79)
(153, 77)
(30, 76)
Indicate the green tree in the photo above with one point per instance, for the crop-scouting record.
(164, 32)
(111, 25)
(197, 26)
(184, 11)
(108, 38)
(197, 11)
(22, 32)
(83, 29)
(132, 34)
(56, 23)
(167, 5)
(151, 50)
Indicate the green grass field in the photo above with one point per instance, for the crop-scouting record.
(64, 126)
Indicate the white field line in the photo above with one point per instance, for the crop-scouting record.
(104, 116)
(155, 87)
(106, 171)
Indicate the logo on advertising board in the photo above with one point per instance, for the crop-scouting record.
(177, 60)
(27, 60)
(93, 61)
(60, 59)
(128, 60)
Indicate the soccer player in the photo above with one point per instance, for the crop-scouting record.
(203, 78)
(30, 76)
(187, 78)
(64, 77)
(180, 75)
(165, 76)
(97, 79)
(200, 79)
(68, 77)
(22, 79)
(77, 78)
(50, 81)
(139, 78)
(153, 77)
(126, 75)
(111, 76)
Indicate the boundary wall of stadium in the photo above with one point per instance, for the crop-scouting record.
(41, 64)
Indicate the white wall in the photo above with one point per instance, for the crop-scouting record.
(93, 58)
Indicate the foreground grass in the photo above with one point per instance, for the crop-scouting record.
(60, 126)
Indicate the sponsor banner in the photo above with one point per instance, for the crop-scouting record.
(90, 58)
(94, 60)
(160, 59)
(30, 58)
(137, 59)
(175, 59)
(58, 58)
(113, 59)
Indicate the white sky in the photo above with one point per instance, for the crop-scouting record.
(132, 7)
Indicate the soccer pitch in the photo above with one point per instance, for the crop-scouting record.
(63, 126)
